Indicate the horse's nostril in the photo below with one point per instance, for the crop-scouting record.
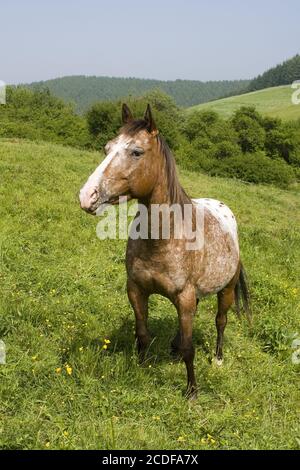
(94, 195)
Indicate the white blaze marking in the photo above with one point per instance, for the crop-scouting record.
(95, 179)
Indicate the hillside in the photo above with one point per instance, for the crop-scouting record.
(283, 74)
(84, 91)
(62, 293)
(275, 102)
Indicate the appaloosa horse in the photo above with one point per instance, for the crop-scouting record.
(139, 165)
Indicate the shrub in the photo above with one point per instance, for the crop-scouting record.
(38, 115)
(249, 112)
(226, 150)
(280, 143)
(196, 124)
(255, 168)
(191, 158)
(104, 118)
(251, 136)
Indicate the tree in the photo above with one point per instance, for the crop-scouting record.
(104, 118)
(248, 125)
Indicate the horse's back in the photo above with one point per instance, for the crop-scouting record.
(221, 246)
(223, 214)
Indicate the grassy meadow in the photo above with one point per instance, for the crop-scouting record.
(274, 102)
(72, 379)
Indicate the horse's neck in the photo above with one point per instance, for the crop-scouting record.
(160, 192)
(160, 198)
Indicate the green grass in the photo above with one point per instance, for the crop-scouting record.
(62, 292)
(274, 102)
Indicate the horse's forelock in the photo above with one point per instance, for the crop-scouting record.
(133, 127)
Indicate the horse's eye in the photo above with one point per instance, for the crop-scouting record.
(137, 152)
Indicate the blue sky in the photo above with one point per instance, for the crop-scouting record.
(166, 39)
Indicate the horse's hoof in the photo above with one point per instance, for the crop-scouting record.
(191, 394)
(142, 358)
(217, 362)
(192, 397)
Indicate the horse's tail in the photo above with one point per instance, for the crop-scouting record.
(241, 291)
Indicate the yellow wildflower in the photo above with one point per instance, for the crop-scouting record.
(104, 346)
(181, 439)
(211, 439)
(58, 370)
(107, 341)
(69, 369)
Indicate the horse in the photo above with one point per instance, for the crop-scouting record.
(139, 165)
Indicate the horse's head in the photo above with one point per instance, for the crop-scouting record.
(131, 166)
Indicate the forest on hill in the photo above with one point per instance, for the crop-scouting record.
(84, 91)
(283, 74)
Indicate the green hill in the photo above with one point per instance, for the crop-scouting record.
(275, 102)
(62, 292)
(84, 91)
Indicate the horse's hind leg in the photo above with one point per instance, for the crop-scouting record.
(225, 300)
(139, 303)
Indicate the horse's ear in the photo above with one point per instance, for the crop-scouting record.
(149, 118)
(126, 114)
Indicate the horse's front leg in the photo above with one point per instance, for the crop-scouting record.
(175, 343)
(186, 308)
(139, 302)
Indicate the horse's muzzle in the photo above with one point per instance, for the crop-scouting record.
(89, 199)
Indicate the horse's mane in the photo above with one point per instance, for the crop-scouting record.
(176, 192)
